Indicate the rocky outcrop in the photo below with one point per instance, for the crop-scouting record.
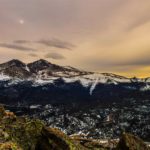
(56, 140)
(131, 142)
(22, 133)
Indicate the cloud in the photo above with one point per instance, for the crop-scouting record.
(49, 43)
(21, 41)
(138, 62)
(54, 56)
(114, 33)
(139, 22)
(16, 47)
(33, 55)
(57, 43)
(113, 64)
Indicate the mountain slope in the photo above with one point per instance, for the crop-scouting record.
(74, 90)
(44, 70)
(40, 69)
(44, 82)
(21, 133)
(15, 68)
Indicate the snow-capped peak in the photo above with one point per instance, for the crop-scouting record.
(44, 72)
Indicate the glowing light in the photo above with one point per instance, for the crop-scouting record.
(21, 21)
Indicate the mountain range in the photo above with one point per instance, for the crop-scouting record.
(80, 102)
(42, 81)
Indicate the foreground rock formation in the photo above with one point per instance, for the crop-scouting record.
(130, 142)
(22, 133)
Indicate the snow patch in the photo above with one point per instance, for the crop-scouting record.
(145, 88)
(93, 86)
(39, 82)
(27, 68)
(4, 77)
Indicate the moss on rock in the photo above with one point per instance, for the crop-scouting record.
(9, 146)
(32, 134)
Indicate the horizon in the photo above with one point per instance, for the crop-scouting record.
(112, 37)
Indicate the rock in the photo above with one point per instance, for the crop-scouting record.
(9, 146)
(2, 111)
(22, 133)
(55, 139)
(32, 134)
(131, 142)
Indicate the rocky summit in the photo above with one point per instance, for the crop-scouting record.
(22, 133)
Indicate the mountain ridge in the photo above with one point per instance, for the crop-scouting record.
(42, 72)
(34, 68)
(42, 64)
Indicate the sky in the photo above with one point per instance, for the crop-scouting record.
(94, 35)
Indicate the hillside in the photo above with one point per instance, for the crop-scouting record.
(21, 133)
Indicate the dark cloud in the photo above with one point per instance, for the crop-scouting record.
(54, 56)
(16, 47)
(49, 43)
(57, 43)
